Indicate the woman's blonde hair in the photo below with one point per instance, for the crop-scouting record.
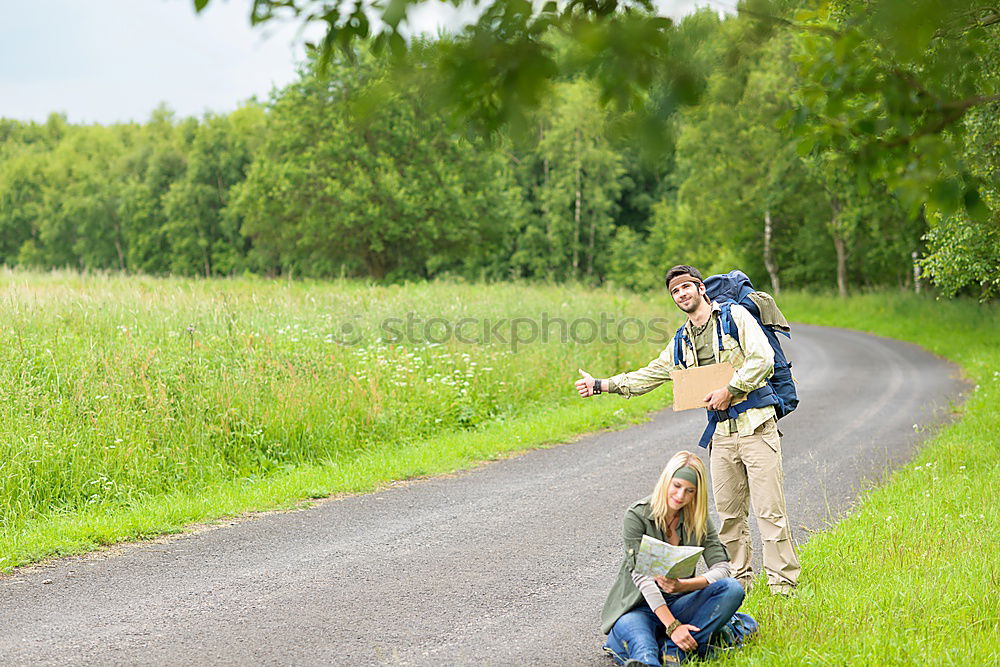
(695, 512)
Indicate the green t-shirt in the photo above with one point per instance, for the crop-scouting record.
(703, 343)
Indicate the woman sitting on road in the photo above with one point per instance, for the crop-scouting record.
(644, 626)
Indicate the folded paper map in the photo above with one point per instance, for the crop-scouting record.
(659, 558)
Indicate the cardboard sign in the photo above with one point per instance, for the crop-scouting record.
(691, 385)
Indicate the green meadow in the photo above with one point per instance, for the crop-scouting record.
(136, 406)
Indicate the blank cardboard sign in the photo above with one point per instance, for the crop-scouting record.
(691, 385)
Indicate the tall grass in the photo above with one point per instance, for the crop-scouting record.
(186, 399)
(913, 576)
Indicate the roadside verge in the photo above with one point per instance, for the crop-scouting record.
(910, 577)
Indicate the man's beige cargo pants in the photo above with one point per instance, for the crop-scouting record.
(745, 469)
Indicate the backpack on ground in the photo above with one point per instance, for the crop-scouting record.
(734, 633)
(735, 287)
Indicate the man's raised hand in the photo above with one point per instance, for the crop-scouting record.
(585, 385)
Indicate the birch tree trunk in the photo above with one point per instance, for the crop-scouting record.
(576, 212)
(837, 231)
(549, 231)
(590, 244)
(769, 263)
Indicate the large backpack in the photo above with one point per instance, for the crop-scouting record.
(735, 287)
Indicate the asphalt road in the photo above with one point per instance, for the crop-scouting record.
(505, 564)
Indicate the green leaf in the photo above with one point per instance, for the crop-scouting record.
(395, 12)
(975, 206)
(946, 195)
(805, 145)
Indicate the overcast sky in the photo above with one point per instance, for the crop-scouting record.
(107, 61)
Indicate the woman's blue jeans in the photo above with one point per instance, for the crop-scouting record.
(639, 635)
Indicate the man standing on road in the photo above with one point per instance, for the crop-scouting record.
(745, 452)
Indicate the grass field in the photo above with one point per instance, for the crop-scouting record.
(912, 577)
(136, 406)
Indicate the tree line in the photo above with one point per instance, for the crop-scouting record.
(356, 170)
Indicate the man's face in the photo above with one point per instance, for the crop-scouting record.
(687, 295)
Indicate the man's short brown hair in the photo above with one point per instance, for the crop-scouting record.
(680, 270)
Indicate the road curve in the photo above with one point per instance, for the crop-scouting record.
(505, 564)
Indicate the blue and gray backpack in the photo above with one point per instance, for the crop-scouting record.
(727, 289)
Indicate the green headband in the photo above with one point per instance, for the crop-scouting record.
(688, 474)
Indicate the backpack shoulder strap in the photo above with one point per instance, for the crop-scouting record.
(728, 325)
(679, 339)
